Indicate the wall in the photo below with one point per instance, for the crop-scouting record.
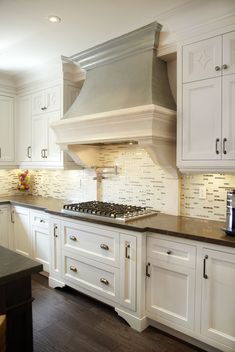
(139, 181)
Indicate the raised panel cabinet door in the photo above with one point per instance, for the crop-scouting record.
(39, 137)
(229, 53)
(22, 232)
(218, 287)
(128, 271)
(201, 120)
(52, 99)
(53, 152)
(7, 135)
(170, 293)
(202, 60)
(228, 118)
(41, 246)
(23, 129)
(38, 103)
(4, 226)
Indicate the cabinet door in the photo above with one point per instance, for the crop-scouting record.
(55, 249)
(202, 120)
(22, 233)
(7, 145)
(228, 117)
(218, 309)
(4, 226)
(38, 103)
(229, 53)
(39, 137)
(41, 246)
(202, 60)
(23, 128)
(171, 293)
(53, 150)
(52, 99)
(128, 271)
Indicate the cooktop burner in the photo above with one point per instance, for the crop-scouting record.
(107, 210)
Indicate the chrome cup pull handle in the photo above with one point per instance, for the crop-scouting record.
(73, 268)
(104, 246)
(73, 238)
(104, 281)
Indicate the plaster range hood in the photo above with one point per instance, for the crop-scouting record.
(126, 98)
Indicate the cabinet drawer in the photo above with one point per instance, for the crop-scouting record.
(171, 252)
(96, 277)
(39, 220)
(92, 242)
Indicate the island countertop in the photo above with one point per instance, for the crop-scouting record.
(178, 226)
(14, 266)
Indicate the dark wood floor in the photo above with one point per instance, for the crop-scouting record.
(67, 321)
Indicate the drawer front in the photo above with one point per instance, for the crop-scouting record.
(171, 252)
(39, 220)
(98, 278)
(92, 242)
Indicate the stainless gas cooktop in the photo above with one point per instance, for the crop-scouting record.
(107, 211)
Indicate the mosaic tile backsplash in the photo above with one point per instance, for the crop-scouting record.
(139, 181)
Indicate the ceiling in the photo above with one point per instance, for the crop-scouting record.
(27, 38)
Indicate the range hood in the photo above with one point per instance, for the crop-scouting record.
(126, 98)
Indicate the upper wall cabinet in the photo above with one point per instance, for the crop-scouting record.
(7, 135)
(47, 100)
(206, 108)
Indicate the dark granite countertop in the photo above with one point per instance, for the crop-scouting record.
(179, 226)
(14, 266)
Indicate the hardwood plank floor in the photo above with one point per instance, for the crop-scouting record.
(68, 321)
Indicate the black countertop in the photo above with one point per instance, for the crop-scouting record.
(178, 226)
(14, 266)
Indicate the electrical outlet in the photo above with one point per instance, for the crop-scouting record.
(202, 192)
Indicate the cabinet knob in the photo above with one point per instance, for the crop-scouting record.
(73, 268)
(104, 281)
(225, 67)
(73, 238)
(104, 246)
(217, 68)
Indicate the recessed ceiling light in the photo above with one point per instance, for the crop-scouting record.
(54, 19)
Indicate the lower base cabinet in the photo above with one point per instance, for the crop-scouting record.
(22, 232)
(218, 292)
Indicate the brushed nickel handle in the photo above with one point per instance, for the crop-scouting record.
(42, 153)
(147, 270)
(225, 67)
(45, 153)
(224, 146)
(104, 281)
(216, 145)
(217, 68)
(169, 252)
(205, 276)
(126, 251)
(29, 152)
(55, 228)
(104, 246)
(73, 268)
(73, 238)
(12, 216)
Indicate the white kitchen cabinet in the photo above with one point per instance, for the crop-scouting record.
(202, 60)
(40, 238)
(55, 253)
(205, 123)
(128, 257)
(170, 273)
(23, 128)
(218, 287)
(22, 231)
(47, 100)
(201, 127)
(7, 135)
(5, 226)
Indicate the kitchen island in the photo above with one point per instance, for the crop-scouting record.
(16, 299)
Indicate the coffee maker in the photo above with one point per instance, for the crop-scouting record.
(230, 229)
